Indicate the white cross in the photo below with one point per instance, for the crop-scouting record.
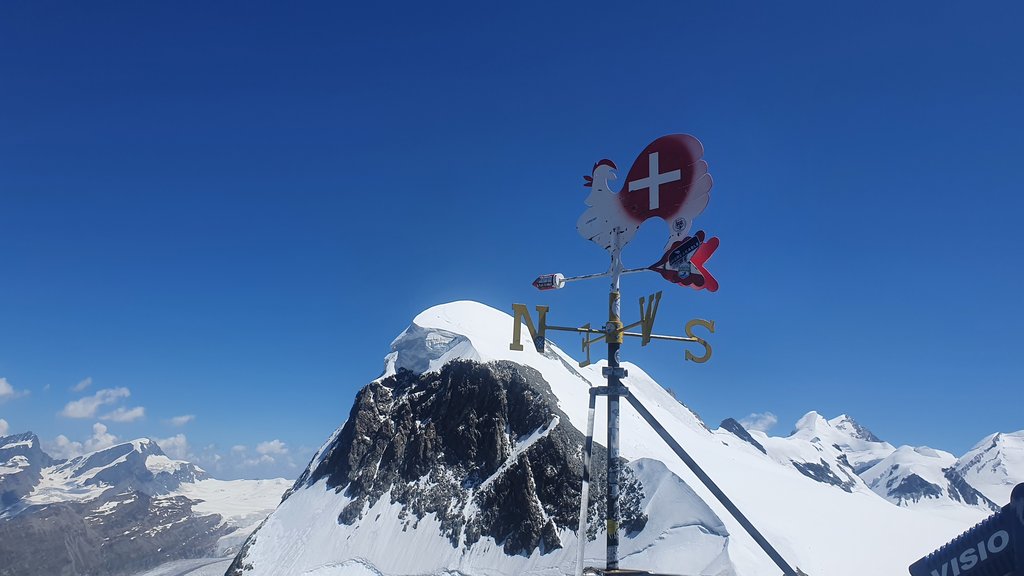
(654, 180)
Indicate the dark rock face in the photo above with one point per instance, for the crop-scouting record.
(911, 488)
(21, 454)
(740, 432)
(482, 446)
(25, 444)
(822, 472)
(122, 534)
(961, 491)
(859, 431)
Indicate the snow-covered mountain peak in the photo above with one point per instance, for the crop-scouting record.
(464, 454)
(463, 329)
(811, 423)
(137, 464)
(861, 448)
(995, 465)
(25, 445)
(852, 428)
(917, 476)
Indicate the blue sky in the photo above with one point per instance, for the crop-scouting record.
(230, 210)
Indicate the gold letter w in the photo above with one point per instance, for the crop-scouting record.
(647, 317)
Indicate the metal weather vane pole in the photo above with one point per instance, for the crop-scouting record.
(669, 180)
(614, 373)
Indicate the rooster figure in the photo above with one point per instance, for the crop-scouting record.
(668, 180)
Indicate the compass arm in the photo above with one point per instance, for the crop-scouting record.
(787, 570)
(658, 337)
(583, 329)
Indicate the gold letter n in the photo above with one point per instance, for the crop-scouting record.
(520, 314)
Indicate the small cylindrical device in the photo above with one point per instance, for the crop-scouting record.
(549, 282)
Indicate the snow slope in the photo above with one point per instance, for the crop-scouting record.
(820, 527)
(242, 504)
(995, 465)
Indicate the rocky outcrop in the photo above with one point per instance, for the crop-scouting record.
(823, 472)
(482, 447)
(740, 432)
(21, 463)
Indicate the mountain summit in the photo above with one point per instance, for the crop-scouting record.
(463, 457)
(117, 510)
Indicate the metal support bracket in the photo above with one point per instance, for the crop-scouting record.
(615, 372)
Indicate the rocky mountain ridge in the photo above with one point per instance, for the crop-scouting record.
(115, 511)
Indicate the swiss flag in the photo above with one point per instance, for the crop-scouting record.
(665, 174)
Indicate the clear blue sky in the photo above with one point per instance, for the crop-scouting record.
(231, 209)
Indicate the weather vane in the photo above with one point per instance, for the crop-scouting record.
(668, 180)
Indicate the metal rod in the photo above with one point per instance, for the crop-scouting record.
(710, 484)
(588, 448)
(612, 496)
(633, 334)
(657, 337)
(614, 339)
(571, 329)
(605, 274)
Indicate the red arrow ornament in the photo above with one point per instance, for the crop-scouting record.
(683, 262)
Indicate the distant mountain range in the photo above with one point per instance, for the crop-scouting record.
(118, 510)
(463, 458)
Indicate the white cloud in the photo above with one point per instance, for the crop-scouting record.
(176, 446)
(86, 407)
(123, 414)
(181, 420)
(265, 459)
(64, 447)
(100, 438)
(272, 447)
(762, 421)
(271, 459)
(7, 392)
(82, 384)
(4, 426)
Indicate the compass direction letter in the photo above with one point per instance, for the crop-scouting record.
(647, 317)
(521, 313)
(710, 325)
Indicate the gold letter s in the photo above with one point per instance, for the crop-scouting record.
(710, 325)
